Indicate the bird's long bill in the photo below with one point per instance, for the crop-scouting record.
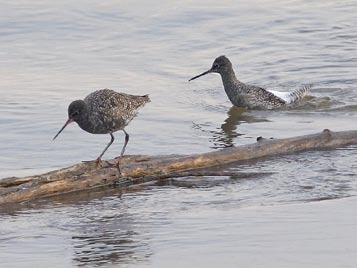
(67, 123)
(197, 76)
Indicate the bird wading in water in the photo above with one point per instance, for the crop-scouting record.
(249, 96)
(105, 111)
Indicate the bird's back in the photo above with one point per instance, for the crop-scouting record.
(249, 96)
(259, 98)
(112, 110)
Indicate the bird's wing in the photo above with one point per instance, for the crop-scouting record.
(284, 95)
(108, 103)
(262, 98)
(292, 96)
(107, 100)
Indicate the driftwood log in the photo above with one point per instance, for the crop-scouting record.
(142, 169)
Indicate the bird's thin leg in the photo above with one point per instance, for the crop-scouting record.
(99, 159)
(123, 150)
(125, 143)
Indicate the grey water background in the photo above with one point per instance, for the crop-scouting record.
(52, 52)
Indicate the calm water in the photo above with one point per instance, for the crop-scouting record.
(54, 52)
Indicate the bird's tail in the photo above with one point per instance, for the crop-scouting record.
(300, 93)
(146, 98)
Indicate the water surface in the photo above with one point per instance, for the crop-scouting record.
(54, 52)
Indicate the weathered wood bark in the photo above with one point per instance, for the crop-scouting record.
(141, 169)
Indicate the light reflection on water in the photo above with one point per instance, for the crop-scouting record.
(52, 53)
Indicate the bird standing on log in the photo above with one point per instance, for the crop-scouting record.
(249, 96)
(104, 112)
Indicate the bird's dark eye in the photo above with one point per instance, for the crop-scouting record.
(76, 113)
(215, 65)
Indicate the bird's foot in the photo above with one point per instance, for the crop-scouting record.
(98, 162)
(116, 165)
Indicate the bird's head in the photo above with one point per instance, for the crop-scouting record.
(220, 65)
(76, 111)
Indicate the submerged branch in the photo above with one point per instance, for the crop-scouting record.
(142, 169)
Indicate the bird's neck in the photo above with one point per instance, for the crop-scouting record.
(84, 122)
(232, 85)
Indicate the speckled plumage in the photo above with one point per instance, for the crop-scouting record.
(105, 112)
(249, 96)
(110, 111)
